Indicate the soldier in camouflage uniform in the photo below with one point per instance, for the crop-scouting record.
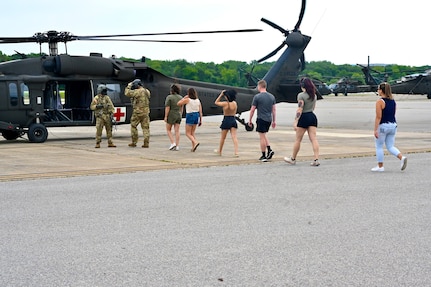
(140, 98)
(103, 111)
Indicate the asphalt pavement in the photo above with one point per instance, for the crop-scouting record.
(256, 224)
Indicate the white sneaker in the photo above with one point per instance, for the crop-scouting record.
(177, 148)
(377, 168)
(172, 146)
(403, 163)
(290, 160)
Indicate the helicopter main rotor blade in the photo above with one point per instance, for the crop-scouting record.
(14, 40)
(56, 37)
(301, 15)
(272, 53)
(143, 40)
(273, 25)
(169, 33)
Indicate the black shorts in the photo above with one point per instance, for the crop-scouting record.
(307, 120)
(262, 126)
(228, 123)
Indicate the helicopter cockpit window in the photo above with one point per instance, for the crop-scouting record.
(25, 93)
(114, 91)
(13, 94)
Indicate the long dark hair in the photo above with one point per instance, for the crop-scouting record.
(192, 93)
(175, 89)
(230, 95)
(309, 87)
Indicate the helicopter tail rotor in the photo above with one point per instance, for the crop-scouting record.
(301, 15)
(273, 25)
(272, 53)
(294, 38)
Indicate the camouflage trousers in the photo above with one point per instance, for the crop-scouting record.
(103, 121)
(144, 120)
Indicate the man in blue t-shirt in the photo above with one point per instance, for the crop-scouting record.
(264, 102)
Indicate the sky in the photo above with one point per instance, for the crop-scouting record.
(343, 32)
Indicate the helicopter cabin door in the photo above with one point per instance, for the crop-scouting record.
(67, 103)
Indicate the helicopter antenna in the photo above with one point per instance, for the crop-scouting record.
(23, 56)
(318, 22)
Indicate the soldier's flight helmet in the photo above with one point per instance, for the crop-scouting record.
(102, 89)
(136, 83)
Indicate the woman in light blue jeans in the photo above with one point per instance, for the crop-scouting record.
(385, 127)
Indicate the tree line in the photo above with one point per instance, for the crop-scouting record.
(234, 73)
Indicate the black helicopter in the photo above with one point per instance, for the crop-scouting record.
(56, 90)
(417, 83)
(347, 86)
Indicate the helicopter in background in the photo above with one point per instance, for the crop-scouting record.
(56, 90)
(417, 83)
(347, 86)
(411, 84)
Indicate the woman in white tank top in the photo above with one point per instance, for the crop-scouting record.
(193, 115)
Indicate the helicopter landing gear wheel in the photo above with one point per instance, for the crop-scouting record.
(37, 133)
(10, 135)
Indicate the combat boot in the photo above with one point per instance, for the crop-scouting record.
(97, 145)
(132, 145)
(146, 144)
(111, 145)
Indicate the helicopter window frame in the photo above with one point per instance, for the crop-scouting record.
(16, 94)
(13, 94)
(114, 93)
(25, 94)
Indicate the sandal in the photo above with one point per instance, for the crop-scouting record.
(195, 147)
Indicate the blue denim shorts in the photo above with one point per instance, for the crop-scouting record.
(192, 118)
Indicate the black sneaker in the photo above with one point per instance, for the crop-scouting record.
(270, 154)
(263, 158)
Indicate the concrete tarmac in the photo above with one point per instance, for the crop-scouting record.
(345, 130)
(153, 217)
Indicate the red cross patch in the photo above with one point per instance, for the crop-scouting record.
(120, 114)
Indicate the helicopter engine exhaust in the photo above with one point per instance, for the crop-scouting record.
(65, 65)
